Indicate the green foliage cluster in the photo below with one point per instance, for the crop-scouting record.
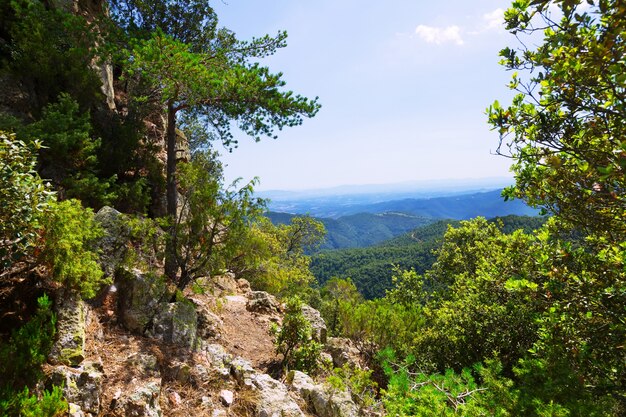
(68, 158)
(358, 383)
(21, 358)
(372, 268)
(24, 199)
(274, 256)
(69, 231)
(212, 221)
(294, 340)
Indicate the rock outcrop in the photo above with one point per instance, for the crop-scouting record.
(318, 326)
(69, 345)
(175, 323)
(324, 401)
(263, 303)
(140, 297)
(82, 386)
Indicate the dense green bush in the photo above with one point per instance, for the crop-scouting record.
(294, 340)
(21, 358)
(24, 199)
(68, 237)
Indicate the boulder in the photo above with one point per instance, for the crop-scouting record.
(69, 344)
(218, 359)
(273, 398)
(209, 324)
(243, 371)
(318, 325)
(226, 397)
(244, 286)
(140, 297)
(175, 323)
(263, 303)
(81, 386)
(226, 283)
(325, 402)
(142, 402)
(343, 352)
(112, 245)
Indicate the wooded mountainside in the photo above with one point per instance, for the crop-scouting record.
(117, 104)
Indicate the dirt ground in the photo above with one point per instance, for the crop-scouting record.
(243, 334)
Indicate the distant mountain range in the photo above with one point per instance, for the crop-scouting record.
(361, 225)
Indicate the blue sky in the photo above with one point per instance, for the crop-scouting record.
(403, 87)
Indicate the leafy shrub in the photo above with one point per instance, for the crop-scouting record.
(69, 230)
(49, 404)
(24, 199)
(294, 339)
(358, 382)
(20, 366)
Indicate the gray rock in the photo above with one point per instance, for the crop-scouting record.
(144, 364)
(244, 286)
(69, 345)
(142, 402)
(140, 297)
(209, 324)
(324, 401)
(318, 326)
(242, 370)
(343, 352)
(74, 410)
(179, 371)
(81, 386)
(112, 246)
(175, 323)
(262, 302)
(226, 397)
(226, 283)
(218, 359)
(273, 398)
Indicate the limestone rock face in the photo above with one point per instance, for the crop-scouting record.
(244, 286)
(176, 323)
(140, 297)
(325, 402)
(112, 245)
(274, 399)
(318, 326)
(69, 346)
(343, 352)
(81, 386)
(142, 402)
(263, 303)
(209, 324)
(226, 284)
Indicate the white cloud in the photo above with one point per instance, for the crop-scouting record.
(494, 19)
(439, 35)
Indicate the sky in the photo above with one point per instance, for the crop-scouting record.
(403, 84)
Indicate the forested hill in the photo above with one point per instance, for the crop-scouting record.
(371, 268)
(371, 224)
(360, 230)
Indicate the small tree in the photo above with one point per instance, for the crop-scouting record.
(294, 339)
(212, 220)
(191, 67)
